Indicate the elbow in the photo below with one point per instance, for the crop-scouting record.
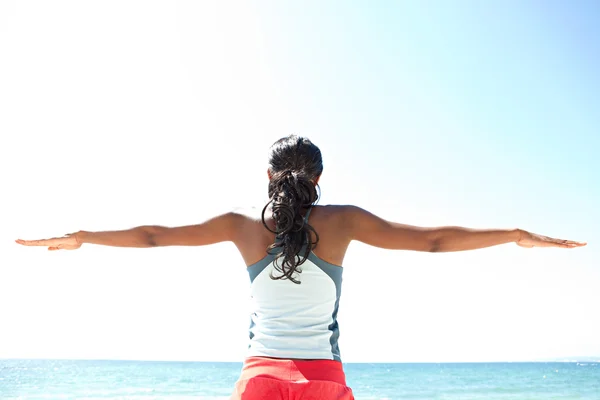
(149, 237)
(151, 240)
(435, 246)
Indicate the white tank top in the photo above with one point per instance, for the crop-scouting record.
(289, 320)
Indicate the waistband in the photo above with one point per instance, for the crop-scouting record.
(294, 370)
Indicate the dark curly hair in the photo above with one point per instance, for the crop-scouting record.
(295, 164)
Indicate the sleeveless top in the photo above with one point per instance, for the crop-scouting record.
(289, 320)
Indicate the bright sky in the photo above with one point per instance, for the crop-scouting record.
(115, 114)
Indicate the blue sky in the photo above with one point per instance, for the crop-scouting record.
(429, 113)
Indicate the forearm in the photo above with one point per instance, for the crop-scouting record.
(141, 236)
(459, 239)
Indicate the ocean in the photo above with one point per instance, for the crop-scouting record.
(145, 380)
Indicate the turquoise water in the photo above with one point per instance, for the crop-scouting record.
(143, 380)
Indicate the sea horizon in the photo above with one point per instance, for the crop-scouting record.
(586, 359)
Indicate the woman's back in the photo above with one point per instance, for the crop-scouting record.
(296, 320)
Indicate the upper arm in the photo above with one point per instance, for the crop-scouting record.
(222, 228)
(375, 231)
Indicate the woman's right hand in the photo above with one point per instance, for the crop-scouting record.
(67, 242)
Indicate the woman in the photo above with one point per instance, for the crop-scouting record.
(294, 251)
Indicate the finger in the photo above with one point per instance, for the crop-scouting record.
(566, 245)
(53, 248)
(570, 243)
(32, 242)
(41, 242)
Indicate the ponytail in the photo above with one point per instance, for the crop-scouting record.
(291, 193)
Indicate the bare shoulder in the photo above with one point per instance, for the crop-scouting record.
(331, 210)
(340, 211)
(247, 215)
(338, 216)
(356, 223)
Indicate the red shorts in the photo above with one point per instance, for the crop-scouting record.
(279, 379)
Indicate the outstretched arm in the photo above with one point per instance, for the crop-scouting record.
(219, 229)
(370, 229)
